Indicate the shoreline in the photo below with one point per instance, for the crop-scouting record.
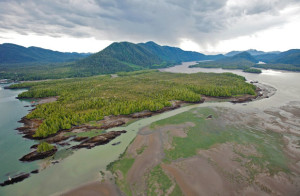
(116, 121)
(30, 125)
(82, 188)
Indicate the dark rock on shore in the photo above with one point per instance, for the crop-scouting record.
(242, 99)
(79, 139)
(99, 140)
(247, 98)
(209, 116)
(115, 123)
(54, 162)
(142, 114)
(15, 179)
(35, 155)
(85, 127)
(34, 146)
(35, 171)
(29, 128)
(64, 144)
(117, 143)
(57, 138)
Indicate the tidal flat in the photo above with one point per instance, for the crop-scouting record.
(211, 150)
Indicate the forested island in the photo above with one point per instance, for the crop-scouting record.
(252, 70)
(83, 100)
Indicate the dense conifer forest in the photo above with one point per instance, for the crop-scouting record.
(82, 100)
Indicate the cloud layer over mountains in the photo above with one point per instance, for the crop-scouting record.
(168, 21)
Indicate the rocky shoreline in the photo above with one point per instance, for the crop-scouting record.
(35, 155)
(98, 140)
(30, 126)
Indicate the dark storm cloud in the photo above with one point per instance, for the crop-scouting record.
(204, 21)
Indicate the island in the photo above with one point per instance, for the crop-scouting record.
(84, 108)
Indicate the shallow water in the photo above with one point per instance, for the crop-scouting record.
(85, 165)
(12, 145)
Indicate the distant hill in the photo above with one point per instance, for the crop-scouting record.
(253, 52)
(288, 60)
(244, 56)
(15, 54)
(291, 57)
(126, 56)
(117, 57)
(242, 60)
(173, 54)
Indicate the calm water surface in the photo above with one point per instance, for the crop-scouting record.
(85, 165)
(12, 145)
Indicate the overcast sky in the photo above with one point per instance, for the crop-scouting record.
(208, 26)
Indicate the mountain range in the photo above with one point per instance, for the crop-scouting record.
(33, 63)
(253, 52)
(288, 60)
(12, 53)
(126, 56)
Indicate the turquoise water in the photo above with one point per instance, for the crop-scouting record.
(12, 145)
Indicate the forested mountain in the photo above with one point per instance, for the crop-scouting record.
(117, 57)
(239, 61)
(244, 56)
(288, 60)
(126, 56)
(123, 56)
(291, 57)
(12, 54)
(20, 63)
(253, 52)
(173, 54)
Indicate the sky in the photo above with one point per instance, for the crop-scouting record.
(207, 26)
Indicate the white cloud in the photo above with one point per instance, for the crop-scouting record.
(63, 44)
(211, 24)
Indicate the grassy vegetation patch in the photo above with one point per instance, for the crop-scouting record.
(207, 133)
(122, 165)
(158, 182)
(141, 150)
(176, 191)
(44, 147)
(92, 133)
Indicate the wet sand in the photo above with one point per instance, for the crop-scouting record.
(95, 189)
(221, 169)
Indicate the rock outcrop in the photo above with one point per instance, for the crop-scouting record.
(15, 179)
(99, 140)
(35, 155)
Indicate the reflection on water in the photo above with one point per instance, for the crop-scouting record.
(270, 72)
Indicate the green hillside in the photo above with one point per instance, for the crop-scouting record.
(239, 61)
(177, 55)
(15, 54)
(117, 57)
